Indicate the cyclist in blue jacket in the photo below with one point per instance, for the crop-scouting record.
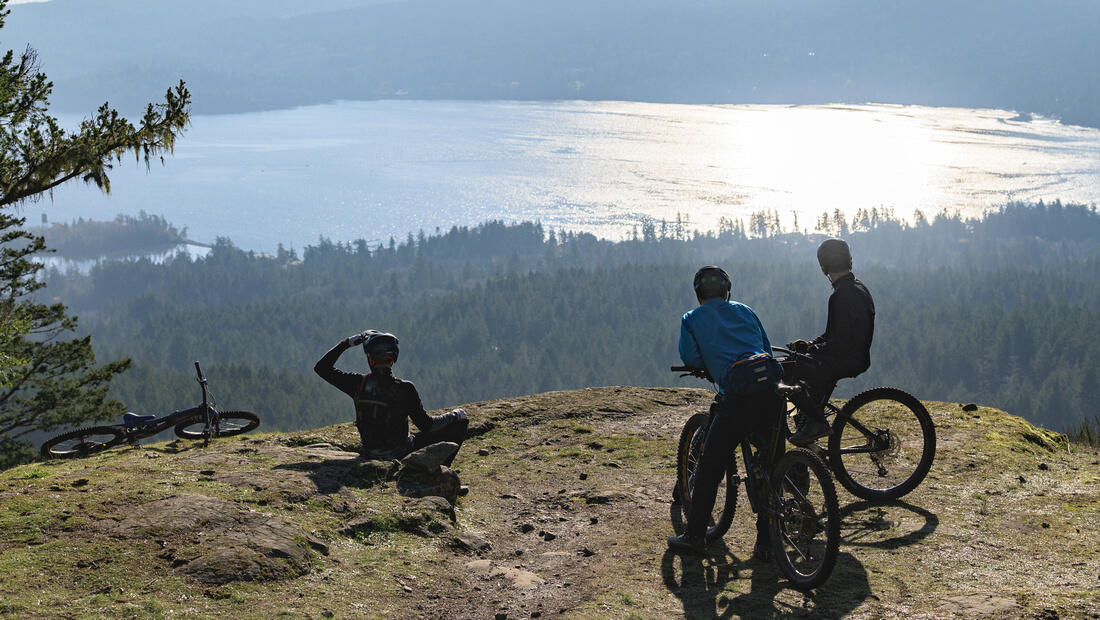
(713, 336)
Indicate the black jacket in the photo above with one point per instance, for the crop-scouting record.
(384, 404)
(845, 347)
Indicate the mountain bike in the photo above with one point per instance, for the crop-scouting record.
(882, 441)
(792, 488)
(203, 421)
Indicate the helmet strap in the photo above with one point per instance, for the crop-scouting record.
(384, 371)
(386, 362)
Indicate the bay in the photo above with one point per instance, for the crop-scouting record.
(378, 169)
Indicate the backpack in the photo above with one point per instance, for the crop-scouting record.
(751, 374)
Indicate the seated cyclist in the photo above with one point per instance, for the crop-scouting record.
(715, 335)
(384, 404)
(844, 350)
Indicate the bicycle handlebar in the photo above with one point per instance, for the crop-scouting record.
(693, 371)
(796, 355)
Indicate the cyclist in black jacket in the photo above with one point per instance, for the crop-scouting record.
(844, 350)
(384, 404)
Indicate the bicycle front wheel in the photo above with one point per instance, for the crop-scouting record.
(81, 442)
(803, 519)
(227, 424)
(883, 444)
(688, 456)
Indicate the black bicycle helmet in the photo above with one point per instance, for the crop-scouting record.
(711, 281)
(378, 345)
(834, 256)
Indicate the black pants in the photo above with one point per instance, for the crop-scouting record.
(819, 379)
(455, 432)
(734, 417)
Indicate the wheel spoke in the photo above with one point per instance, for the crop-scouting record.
(82, 442)
(805, 528)
(794, 545)
(886, 458)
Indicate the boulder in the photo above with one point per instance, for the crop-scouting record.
(265, 551)
(467, 542)
(414, 482)
(218, 541)
(430, 458)
(373, 470)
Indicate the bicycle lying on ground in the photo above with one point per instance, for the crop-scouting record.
(882, 441)
(793, 489)
(203, 421)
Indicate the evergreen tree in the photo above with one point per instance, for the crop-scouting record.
(46, 382)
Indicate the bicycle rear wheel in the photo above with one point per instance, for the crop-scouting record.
(803, 519)
(882, 444)
(81, 442)
(229, 423)
(688, 456)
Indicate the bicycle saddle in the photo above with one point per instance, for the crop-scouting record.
(134, 419)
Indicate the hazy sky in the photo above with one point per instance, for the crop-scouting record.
(249, 55)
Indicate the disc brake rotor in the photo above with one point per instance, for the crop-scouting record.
(893, 445)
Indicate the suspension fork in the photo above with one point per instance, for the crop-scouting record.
(753, 476)
(207, 410)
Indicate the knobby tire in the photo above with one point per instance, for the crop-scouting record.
(803, 519)
(230, 423)
(897, 469)
(82, 442)
(688, 455)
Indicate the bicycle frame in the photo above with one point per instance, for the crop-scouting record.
(203, 421)
(757, 475)
(875, 441)
(158, 425)
(757, 469)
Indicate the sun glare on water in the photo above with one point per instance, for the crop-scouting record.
(813, 160)
(374, 169)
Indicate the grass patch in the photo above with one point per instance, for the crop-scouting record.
(33, 474)
(1086, 434)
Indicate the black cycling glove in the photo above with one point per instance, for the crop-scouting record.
(799, 346)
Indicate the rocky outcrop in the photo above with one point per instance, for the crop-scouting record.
(422, 473)
(217, 541)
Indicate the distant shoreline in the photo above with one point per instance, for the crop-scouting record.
(84, 239)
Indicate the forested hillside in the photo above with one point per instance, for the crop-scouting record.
(1000, 311)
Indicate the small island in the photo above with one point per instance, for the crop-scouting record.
(125, 234)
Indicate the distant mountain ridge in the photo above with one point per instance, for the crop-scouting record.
(248, 55)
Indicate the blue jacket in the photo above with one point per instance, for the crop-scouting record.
(718, 332)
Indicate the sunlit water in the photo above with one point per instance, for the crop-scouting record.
(375, 169)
